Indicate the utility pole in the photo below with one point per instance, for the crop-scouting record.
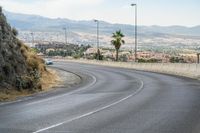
(98, 51)
(65, 29)
(57, 37)
(135, 5)
(198, 54)
(32, 35)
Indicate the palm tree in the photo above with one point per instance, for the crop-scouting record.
(117, 41)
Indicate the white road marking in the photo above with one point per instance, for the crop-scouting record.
(44, 129)
(92, 112)
(53, 98)
(30, 97)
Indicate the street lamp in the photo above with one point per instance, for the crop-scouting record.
(65, 29)
(135, 5)
(32, 35)
(198, 54)
(98, 52)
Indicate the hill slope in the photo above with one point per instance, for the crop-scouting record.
(20, 68)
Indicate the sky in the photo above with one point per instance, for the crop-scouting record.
(150, 12)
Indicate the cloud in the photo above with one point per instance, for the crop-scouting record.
(72, 9)
(50, 8)
(20, 4)
(115, 11)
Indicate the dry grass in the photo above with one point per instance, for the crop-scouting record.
(49, 79)
(12, 94)
(33, 61)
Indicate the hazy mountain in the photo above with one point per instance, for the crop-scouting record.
(35, 22)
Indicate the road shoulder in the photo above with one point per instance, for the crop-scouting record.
(64, 80)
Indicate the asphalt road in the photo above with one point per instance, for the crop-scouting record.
(108, 100)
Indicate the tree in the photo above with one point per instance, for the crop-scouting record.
(117, 42)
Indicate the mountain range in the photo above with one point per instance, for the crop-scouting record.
(40, 23)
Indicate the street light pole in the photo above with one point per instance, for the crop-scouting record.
(65, 29)
(32, 35)
(98, 52)
(198, 54)
(135, 5)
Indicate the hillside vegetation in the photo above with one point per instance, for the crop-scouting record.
(20, 68)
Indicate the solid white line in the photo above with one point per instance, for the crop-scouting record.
(30, 97)
(49, 99)
(92, 112)
(5, 103)
(44, 129)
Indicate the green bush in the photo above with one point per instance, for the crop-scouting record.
(152, 60)
(141, 60)
(98, 56)
(177, 60)
(123, 58)
(14, 31)
(7, 69)
(35, 50)
(1, 78)
(29, 82)
(35, 75)
(24, 82)
(76, 56)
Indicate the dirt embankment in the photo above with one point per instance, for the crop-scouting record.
(48, 80)
(22, 72)
(52, 79)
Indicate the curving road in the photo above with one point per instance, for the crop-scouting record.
(108, 100)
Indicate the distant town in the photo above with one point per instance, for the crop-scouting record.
(78, 39)
(175, 49)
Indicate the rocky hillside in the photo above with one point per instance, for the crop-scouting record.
(20, 68)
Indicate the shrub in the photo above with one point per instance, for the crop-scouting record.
(7, 69)
(19, 43)
(14, 31)
(152, 60)
(76, 56)
(3, 52)
(35, 75)
(33, 63)
(141, 60)
(123, 58)
(24, 52)
(26, 47)
(24, 82)
(19, 83)
(1, 78)
(34, 50)
(30, 82)
(98, 54)
(177, 60)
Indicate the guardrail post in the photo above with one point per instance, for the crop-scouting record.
(198, 58)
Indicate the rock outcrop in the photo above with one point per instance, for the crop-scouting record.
(19, 67)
